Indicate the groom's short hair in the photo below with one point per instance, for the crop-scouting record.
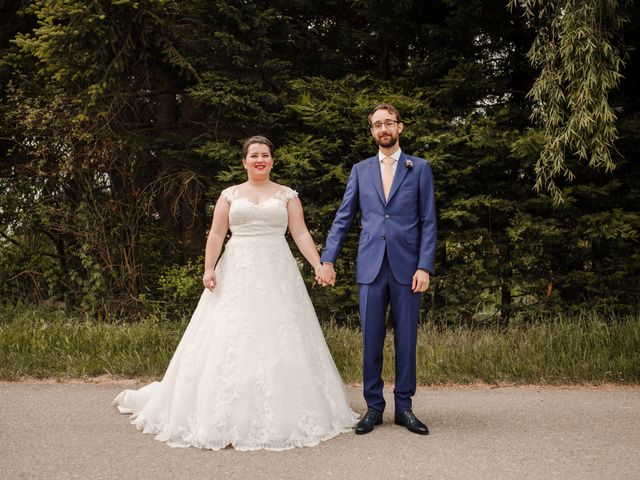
(385, 106)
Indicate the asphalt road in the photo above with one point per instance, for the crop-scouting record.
(71, 431)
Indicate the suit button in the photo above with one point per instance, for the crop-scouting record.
(384, 237)
(386, 215)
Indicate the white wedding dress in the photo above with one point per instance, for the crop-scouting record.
(252, 370)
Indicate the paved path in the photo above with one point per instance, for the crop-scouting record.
(69, 431)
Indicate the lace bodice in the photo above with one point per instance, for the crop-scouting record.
(266, 218)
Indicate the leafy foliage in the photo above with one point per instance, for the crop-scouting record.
(122, 121)
(580, 63)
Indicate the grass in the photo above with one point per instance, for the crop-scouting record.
(566, 350)
(44, 344)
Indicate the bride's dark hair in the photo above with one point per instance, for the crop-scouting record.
(256, 139)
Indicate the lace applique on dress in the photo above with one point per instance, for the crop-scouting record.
(230, 194)
(286, 193)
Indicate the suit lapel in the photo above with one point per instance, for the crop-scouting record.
(401, 172)
(376, 176)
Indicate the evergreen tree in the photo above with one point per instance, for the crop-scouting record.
(122, 121)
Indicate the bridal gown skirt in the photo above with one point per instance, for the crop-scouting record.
(252, 370)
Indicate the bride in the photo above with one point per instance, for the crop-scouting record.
(252, 369)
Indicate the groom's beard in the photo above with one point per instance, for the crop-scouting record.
(389, 142)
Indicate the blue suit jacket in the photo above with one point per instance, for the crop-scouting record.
(404, 226)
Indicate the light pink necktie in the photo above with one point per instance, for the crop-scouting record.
(387, 175)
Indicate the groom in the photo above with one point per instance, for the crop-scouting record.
(396, 254)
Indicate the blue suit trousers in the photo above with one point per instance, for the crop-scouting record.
(375, 297)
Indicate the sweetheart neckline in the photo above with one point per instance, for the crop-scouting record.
(258, 204)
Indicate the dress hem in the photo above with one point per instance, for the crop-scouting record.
(188, 439)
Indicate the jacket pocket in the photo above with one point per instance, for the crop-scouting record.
(412, 238)
(364, 238)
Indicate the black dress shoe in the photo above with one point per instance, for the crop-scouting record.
(409, 420)
(370, 419)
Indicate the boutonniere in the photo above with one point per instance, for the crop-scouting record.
(408, 164)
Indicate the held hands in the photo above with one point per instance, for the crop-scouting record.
(325, 274)
(420, 281)
(209, 279)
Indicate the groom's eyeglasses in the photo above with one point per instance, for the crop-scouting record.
(387, 123)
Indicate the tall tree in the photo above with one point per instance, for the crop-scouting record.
(122, 121)
(579, 56)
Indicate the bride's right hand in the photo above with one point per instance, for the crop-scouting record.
(209, 279)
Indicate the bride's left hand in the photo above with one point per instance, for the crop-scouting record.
(326, 275)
